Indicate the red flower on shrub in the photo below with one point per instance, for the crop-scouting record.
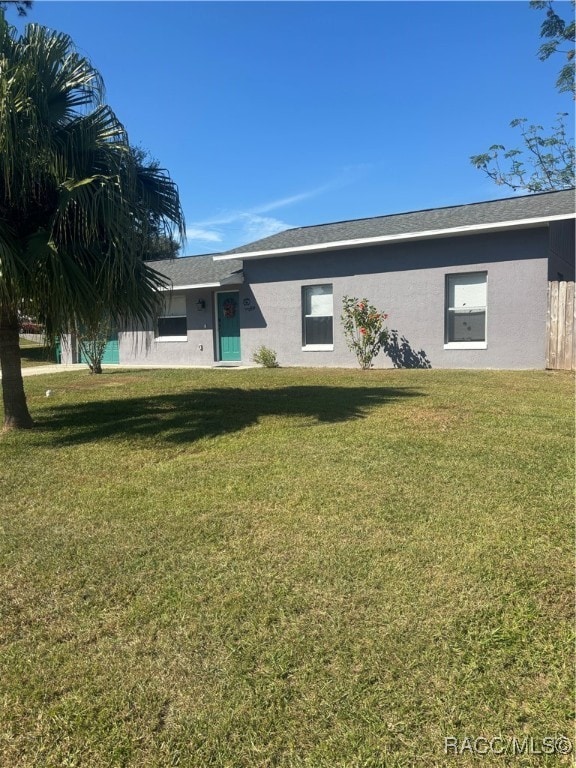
(362, 331)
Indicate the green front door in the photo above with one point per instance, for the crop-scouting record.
(228, 326)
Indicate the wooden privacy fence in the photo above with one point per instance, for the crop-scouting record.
(561, 327)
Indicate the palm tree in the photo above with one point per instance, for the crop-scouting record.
(76, 202)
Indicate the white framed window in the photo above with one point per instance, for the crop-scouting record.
(317, 318)
(172, 324)
(466, 311)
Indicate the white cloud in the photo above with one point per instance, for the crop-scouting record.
(247, 228)
(284, 201)
(233, 228)
(223, 218)
(195, 233)
(256, 227)
(253, 214)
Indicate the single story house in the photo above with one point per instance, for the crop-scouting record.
(464, 287)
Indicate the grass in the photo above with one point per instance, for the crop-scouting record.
(33, 354)
(288, 568)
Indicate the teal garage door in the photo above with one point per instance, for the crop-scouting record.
(111, 351)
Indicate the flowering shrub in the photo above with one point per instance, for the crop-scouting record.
(364, 329)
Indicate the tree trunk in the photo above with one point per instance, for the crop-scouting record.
(16, 414)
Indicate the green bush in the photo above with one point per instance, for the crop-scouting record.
(265, 357)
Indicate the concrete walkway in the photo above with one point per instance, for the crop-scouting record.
(38, 370)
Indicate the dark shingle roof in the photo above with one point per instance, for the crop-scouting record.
(198, 270)
(510, 209)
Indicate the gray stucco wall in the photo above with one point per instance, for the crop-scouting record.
(141, 346)
(407, 280)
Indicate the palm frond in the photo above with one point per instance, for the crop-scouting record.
(77, 204)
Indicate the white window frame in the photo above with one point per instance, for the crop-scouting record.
(316, 347)
(465, 344)
(173, 312)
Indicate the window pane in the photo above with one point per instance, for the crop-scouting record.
(175, 306)
(467, 290)
(466, 325)
(318, 300)
(318, 330)
(172, 326)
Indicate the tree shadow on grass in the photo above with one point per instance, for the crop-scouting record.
(37, 355)
(189, 416)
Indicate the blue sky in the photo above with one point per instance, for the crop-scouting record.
(271, 115)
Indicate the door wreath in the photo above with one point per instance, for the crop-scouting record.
(229, 308)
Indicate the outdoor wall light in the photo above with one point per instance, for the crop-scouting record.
(200, 305)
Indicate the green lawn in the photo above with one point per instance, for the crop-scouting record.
(287, 568)
(33, 354)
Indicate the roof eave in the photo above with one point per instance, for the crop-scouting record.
(470, 229)
(235, 279)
